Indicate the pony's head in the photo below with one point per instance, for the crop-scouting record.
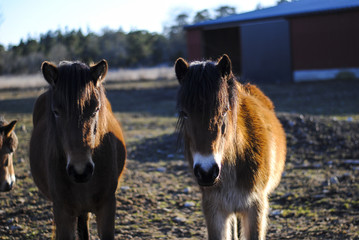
(76, 109)
(205, 102)
(8, 145)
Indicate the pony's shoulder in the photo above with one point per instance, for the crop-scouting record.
(40, 107)
(254, 91)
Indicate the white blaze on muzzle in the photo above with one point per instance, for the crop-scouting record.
(9, 181)
(12, 179)
(206, 162)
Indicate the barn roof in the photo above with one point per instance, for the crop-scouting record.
(297, 7)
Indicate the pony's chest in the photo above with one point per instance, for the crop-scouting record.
(228, 198)
(84, 198)
(234, 199)
(228, 194)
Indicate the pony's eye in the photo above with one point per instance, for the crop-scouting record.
(183, 114)
(223, 129)
(225, 111)
(94, 113)
(56, 113)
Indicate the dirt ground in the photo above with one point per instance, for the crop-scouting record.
(318, 197)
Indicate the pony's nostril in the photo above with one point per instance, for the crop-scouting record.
(70, 170)
(89, 169)
(206, 178)
(8, 186)
(197, 171)
(84, 176)
(215, 171)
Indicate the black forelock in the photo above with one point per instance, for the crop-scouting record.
(74, 85)
(205, 92)
(200, 87)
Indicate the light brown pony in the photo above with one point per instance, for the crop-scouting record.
(8, 145)
(77, 149)
(235, 146)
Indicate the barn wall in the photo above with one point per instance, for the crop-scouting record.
(305, 47)
(194, 44)
(266, 53)
(325, 41)
(223, 40)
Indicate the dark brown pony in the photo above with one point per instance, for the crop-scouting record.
(77, 149)
(8, 145)
(235, 146)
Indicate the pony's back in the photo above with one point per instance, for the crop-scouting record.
(39, 111)
(257, 93)
(267, 131)
(40, 138)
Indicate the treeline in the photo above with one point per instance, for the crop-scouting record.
(136, 48)
(121, 49)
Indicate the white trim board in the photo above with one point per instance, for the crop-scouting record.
(324, 74)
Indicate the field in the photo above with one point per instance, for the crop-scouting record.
(318, 197)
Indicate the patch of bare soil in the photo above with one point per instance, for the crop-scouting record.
(318, 197)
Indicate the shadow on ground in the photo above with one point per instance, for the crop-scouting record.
(155, 149)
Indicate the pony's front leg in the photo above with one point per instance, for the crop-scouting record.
(219, 223)
(254, 221)
(83, 226)
(105, 218)
(64, 223)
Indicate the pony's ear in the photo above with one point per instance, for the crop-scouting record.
(7, 129)
(181, 68)
(50, 72)
(99, 71)
(224, 65)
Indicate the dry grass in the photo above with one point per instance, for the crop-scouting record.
(162, 73)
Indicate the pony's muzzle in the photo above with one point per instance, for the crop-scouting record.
(206, 177)
(80, 176)
(7, 185)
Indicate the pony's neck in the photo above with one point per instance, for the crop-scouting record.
(102, 120)
(230, 135)
(237, 131)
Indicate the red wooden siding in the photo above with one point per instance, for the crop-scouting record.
(194, 44)
(223, 40)
(325, 41)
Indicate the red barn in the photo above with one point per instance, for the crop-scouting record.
(296, 41)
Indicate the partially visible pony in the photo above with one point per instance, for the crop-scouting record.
(8, 145)
(234, 143)
(77, 149)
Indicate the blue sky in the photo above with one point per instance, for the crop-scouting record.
(20, 19)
